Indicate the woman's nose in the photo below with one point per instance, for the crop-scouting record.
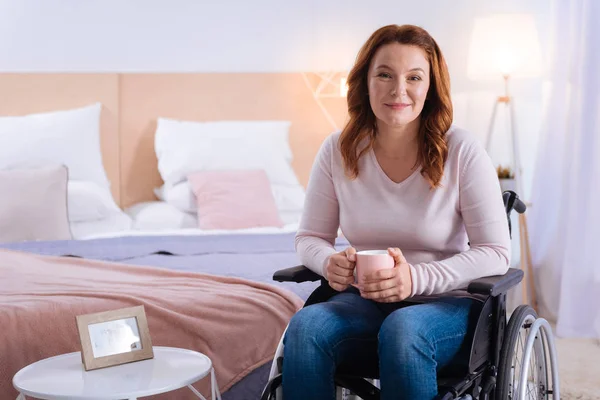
(399, 88)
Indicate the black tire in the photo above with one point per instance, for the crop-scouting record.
(514, 341)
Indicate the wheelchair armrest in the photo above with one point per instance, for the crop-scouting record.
(297, 274)
(496, 285)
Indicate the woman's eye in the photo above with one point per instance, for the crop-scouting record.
(415, 78)
(384, 75)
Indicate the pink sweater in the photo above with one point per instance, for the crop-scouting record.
(431, 227)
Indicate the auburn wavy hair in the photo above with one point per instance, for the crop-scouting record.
(436, 116)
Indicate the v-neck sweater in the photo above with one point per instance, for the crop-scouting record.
(450, 235)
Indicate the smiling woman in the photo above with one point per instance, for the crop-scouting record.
(421, 193)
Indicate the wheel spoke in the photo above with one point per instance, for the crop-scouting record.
(516, 367)
(531, 379)
(512, 370)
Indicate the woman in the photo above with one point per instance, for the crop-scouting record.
(398, 177)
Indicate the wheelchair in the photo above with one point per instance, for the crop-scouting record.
(501, 361)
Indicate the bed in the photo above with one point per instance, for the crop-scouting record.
(111, 254)
(182, 261)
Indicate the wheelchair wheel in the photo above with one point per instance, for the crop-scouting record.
(514, 349)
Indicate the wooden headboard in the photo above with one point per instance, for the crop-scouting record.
(133, 102)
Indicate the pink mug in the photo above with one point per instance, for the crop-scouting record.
(369, 261)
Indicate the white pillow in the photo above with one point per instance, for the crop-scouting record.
(33, 204)
(179, 196)
(183, 147)
(70, 137)
(89, 202)
(158, 215)
(115, 223)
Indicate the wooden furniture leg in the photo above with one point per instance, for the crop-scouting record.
(522, 266)
(526, 256)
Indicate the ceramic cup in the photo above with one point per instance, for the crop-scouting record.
(369, 261)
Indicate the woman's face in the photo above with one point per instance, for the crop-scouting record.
(398, 84)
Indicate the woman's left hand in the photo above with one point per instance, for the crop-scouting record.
(389, 285)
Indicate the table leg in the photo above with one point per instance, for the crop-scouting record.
(21, 396)
(197, 393)
(214, 388)
(214, 385)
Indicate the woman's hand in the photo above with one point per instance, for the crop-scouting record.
(389, 285)
(340, 269)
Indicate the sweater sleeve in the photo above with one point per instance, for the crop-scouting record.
(320, 218)
(484, 218)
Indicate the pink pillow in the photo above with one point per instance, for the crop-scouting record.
(234, 199)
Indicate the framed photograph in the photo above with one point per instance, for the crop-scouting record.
(114, 337)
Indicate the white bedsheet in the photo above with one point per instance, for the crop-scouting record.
(158, 218)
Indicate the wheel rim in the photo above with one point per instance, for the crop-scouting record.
(537, 387)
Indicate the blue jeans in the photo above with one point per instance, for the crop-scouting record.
(408, 343)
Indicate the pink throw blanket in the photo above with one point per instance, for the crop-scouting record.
(236, 322)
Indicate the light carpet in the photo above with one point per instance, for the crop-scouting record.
(579, 368)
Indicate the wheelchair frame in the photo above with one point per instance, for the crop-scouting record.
(479, 377)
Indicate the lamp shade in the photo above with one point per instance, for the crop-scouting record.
(504, 44)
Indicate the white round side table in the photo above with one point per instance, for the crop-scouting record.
(63, 377)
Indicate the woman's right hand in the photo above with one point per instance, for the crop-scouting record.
(340, 269)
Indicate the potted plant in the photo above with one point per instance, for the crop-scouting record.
(507, 178)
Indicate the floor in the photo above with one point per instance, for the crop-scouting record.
(579, 368)
(578, 362)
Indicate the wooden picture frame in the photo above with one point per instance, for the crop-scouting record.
(114, 337)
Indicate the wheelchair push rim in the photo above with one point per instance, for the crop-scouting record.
(514, 349)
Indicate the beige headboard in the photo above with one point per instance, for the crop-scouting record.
(133, 102)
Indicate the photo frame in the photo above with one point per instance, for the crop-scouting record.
(114, 337)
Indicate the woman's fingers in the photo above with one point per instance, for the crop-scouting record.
(384, 296)
(376, 286)
(343, 270)
(337, 286)
(339, 278)
(350, 253)
(345, 279)
(340, 275)
(396, 253)
(340, 269)
(388, 285)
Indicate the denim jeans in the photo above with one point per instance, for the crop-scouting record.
(409, 344)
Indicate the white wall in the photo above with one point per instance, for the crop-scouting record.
(225, 35)
(257, 36)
